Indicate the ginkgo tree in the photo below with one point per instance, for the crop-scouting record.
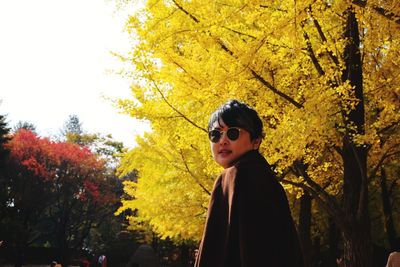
(323, 75)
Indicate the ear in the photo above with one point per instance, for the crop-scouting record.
(256, 143)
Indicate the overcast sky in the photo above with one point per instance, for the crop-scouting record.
(54, 57)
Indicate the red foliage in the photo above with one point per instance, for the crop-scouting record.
(91, 189)
(29, 150)
(66, 164)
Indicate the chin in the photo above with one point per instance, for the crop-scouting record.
(225, 164)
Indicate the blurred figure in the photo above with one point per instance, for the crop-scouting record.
(340, 262)
(102, 261)
(85, 262)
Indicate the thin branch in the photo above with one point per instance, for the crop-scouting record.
(192, 174)
(380, 10)
(300, 168)
(176, 110)
(393, 124)
(181, 67)
(323, 38)
(240, 33)
(383, 158)
(274, 90)
(255, 74)
(338, 150)
(333, 212)
(186, 12)
(311, 52)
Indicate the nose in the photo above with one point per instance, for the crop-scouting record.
(224, 138)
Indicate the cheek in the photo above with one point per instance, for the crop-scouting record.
(243, 146)
(213, 148)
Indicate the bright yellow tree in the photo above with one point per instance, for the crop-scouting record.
(323, 75)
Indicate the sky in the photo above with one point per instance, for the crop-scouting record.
(55, 61)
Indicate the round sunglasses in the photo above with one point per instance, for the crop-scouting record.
(232, 133)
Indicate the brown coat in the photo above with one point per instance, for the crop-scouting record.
(249, 222)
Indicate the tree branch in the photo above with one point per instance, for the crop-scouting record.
(315, 195)
(383, 158)
(323, 37)
(186, 12)
(240, 33)
(393, 124)
(300, 169)
(174, 109)
(311, 52)
(192, 174)
(180, 66)
(252, 71)
(379, 10)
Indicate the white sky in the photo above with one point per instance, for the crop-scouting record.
(54, 55)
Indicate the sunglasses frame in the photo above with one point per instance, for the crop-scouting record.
(221, 133)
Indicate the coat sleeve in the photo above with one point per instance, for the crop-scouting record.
(212, 248)
(266, 231)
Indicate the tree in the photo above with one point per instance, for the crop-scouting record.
(107, 230)
(26, 178)
(103, 145)
(4, 138)
(73, 125)
(72, 130)
(58, 192)
(322, 74)
(24, 125)
(4, 153)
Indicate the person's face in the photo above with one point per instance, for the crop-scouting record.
(226, 151)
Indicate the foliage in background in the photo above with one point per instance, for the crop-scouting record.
(61, 194)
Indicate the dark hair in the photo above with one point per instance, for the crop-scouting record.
(238, 114)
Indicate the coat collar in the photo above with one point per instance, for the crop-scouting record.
(246, 157)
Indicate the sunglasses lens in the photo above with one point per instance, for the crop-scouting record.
(233, 133)
(214, 136)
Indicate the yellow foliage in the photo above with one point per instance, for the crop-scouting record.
(191, 56)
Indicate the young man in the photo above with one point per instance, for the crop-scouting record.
(248, 222)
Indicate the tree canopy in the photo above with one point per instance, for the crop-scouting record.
(323, 75)
(56, 193)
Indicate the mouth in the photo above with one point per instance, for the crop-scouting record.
(224, 152)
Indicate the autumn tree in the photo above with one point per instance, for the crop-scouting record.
(58, 191)
(26, 178)
(323, 75)
(107, 231)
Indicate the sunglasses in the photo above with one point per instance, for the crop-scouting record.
(232, 133)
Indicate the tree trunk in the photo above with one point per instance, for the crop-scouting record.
(185, 256)
(387, 211)
(356, 234)
(305, 228)
(357, 246)
(334, 236)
